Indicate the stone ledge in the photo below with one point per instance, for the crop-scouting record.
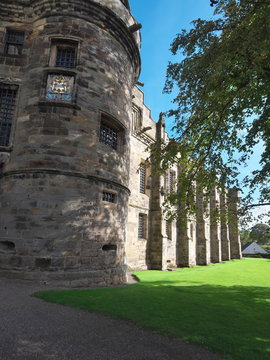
(51, 103)
(64, 173)
(92, 278)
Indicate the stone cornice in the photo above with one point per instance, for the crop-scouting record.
(77, 174)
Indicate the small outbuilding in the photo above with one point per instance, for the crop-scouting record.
(252, 248)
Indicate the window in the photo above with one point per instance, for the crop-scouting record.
(111, 132)
(169, 230)
(142, 226)
(63, 53)
(59, 87)
(171, 181)
(191, 231)
(142, 178)
(7, 107)
(14, 42)
(136, 119)
(65, 56)
(108, 136)
(109, 197)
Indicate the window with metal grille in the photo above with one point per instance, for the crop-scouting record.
(142, 178)
(14, 42)
(108, 136)
(7, 107)
(109, 197)
(172, 181)
(65, 56)
(169, 229)
(142, 226)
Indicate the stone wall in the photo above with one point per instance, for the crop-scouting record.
(79, 201)
(53, 184)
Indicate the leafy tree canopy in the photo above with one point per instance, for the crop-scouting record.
(244, 236)
(222, 107)
(260, 233)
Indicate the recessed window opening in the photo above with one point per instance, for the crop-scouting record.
(7, 107)
(111, 132)
(109, 247)
(43, 262)
(191, 231)
(7, 246)
(136, 118)
(14, 42)
(169, 230)
(108, 136)
(65, 56)
(109, 197)
(142, 178)
(171, 181)
(142, 226)
(63, 53)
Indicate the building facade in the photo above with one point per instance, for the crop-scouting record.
(79, 201)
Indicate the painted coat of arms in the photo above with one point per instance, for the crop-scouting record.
(59, 87)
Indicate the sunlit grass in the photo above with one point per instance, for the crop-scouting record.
(224, 307)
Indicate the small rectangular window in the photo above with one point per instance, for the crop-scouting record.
(14, 42)
(63, 53)
(169, 230)
(108, 136)
(65, 56)
(191, 231)
(136, 119)
(172, 181)
(142, 178)
(7, 107)
(142, 226)
(109, 197)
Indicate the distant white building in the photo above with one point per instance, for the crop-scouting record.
(252, 248)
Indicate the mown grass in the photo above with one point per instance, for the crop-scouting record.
(224, 307)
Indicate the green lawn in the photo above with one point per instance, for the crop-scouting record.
(224, 307)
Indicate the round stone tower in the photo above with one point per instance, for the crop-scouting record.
(66, 77)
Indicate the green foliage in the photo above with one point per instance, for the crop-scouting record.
(224, 307)
(260, 233)
(223, 101)
(244, 236)
(266, 247)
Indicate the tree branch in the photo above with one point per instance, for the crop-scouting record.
(255, 205)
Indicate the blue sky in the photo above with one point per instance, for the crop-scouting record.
(161, 20)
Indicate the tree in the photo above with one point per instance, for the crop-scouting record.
(244, 236)
(223, 102)
(260, 233)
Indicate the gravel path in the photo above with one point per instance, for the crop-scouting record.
(33, 329)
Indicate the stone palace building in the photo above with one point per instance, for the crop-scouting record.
(79, 203)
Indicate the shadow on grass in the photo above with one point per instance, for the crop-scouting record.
(233, 321)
